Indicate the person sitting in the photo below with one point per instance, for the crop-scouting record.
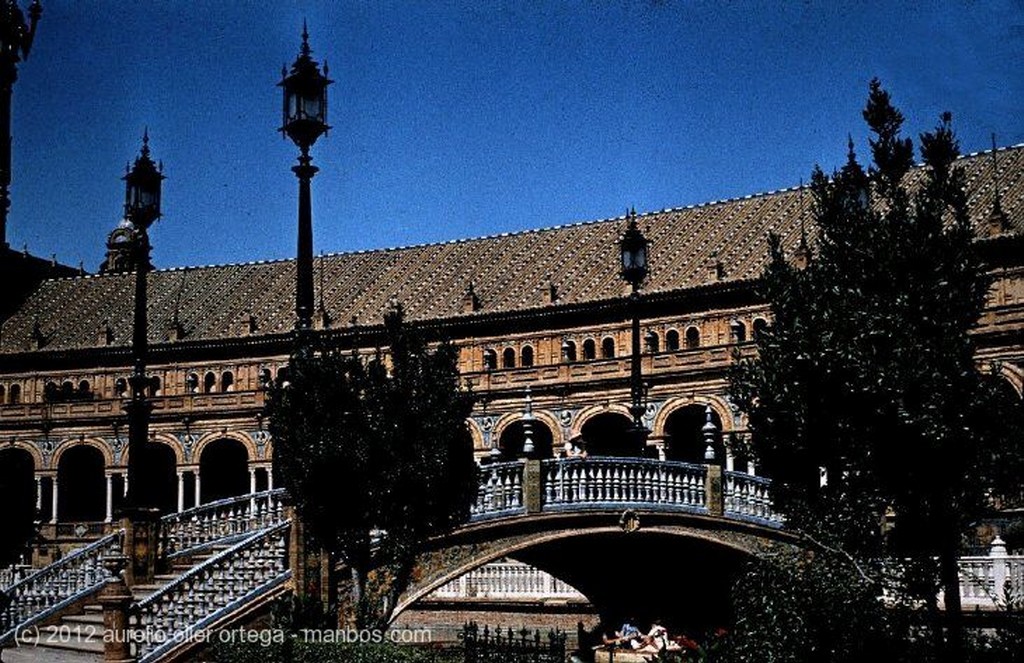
(657, 637)
(629, 635)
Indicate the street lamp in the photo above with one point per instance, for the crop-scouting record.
(15, 43)
(633, 247)
(305, 120)
(141, 209)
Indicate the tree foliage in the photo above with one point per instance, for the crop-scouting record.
(867, 374)
(376, 456)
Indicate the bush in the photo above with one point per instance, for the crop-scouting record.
(297, 651)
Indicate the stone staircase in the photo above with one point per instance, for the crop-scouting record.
(220, 560)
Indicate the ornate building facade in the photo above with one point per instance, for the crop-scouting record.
(540, 318)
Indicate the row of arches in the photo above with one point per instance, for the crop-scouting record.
(608, 434)
(591, 349)
(85, 489)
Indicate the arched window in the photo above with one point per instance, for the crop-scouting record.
(490, 360)
(14, 395)
(508, 358)
(283, 375)
(692, 338)
(569, 350)
(120, 387)
(192, 383)
(265, 378)
(51, 391)
(526, 356)
(608, 347)
(227, 381)
(760, 327)
(154, 386)
(653, 342)
(67, 390)
(672, 340)
(209, 382)
(589, 349)
(739, 331)
(83, 387)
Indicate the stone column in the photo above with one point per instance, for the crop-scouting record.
(116, 599)
(181, 491)
(124, 485)
(39, 493)
(270, 477)
(53, 500)
(141, 541)
(252, 489)
(730, 461)
(110, 498)
(197, 491)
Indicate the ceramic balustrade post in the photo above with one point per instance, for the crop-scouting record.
(1000, 564)
(115, 598)
(532, 495)
(713, 493)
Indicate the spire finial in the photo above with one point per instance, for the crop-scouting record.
(145, 141)
(305, 39)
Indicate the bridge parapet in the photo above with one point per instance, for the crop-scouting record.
(580, 484)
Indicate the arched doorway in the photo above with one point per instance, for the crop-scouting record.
(18, 495)
(158, 467)
(81, 485)
(684, 430)
(514, 435)
(608, 434)
(223, 470)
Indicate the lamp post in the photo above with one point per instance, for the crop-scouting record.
(15, 43)
(633, 247)
(141, 209)
(305, 120)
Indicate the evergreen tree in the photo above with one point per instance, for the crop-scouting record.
(867, 376)
(376, 457)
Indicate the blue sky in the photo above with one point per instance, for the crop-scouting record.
(459, 119)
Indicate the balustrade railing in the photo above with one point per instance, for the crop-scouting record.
(507, 580)
(500, 491)
(747, 496)
(992, 581)
(211, 591)
(58, 585)
(9, 575)
(569, 482)
(221, 521)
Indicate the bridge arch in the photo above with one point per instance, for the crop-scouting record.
(31, 449)
(671, 545)
(247, 442)
(546, 429)
(476, 434)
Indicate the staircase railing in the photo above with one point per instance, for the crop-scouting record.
(58, 585)
(622, 481)
(211, 591)
(9, 575)
(221, 521)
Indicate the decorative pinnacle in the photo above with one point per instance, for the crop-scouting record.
(306, 50)
(145, 142)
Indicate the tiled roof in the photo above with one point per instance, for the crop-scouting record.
(509, 272)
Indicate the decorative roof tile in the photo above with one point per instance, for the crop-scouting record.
(509, 272)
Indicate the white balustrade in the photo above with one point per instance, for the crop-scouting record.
(40, 594)
(747, 496)
(622, 481)
(991, 581)
(507, 580)
(500, 491)
(207, 593)
(221, 520)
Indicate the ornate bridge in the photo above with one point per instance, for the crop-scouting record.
(645, 515)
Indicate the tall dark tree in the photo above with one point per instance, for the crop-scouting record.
(867, 376)
(376, 456)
